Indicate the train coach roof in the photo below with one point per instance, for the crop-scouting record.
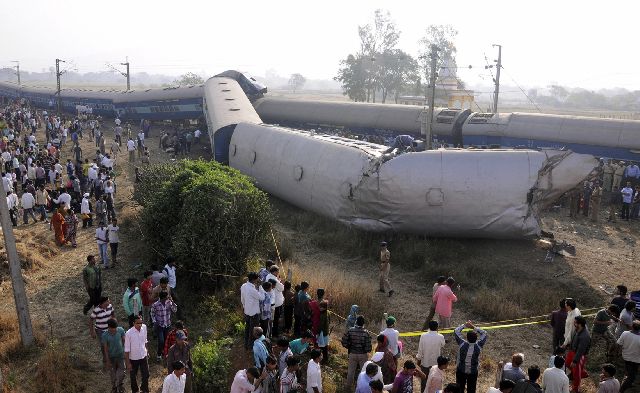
(167, 93)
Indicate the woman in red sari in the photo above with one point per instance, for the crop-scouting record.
(57, 224)
(388, 363)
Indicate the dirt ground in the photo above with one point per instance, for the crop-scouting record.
(607, 255)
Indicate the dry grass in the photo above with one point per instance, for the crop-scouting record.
(10, 342)
(54, 372)
(342, 289)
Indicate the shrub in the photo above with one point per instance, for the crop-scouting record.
(211, 365)
(209, 216)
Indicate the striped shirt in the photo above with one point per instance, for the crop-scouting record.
(161, 312)
(101, 316)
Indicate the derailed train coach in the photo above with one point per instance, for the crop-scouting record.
(610, 138)
(444, 192)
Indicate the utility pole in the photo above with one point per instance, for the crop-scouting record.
(427, 121)
(58, 75)
(17, 67)
(497, 79)
(127, 74)
(19, 293)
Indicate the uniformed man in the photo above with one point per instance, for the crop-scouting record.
(574, 201)
(607, 176)
(596, 196)
(617, 174)
(385, 267)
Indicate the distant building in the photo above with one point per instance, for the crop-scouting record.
(449, 91)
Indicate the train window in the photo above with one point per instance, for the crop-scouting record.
(226, 90)
(234, 109)
(229, 99)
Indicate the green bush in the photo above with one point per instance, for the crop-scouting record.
(209, 216)
(211, 365)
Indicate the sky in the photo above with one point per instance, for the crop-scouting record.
(588, 44)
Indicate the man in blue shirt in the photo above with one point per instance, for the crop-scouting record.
(260, 352)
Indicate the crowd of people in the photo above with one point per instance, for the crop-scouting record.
(286, 332)
(617, 187)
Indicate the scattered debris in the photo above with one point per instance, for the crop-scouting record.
(536, 346)
(562, 273)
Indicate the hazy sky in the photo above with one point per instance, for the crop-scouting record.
(591, 44)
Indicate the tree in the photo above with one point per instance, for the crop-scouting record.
(442, 36)
(376, 40)
(353, 78)
(236, 225)
(559, 92)
(189, 79)
(396, 70)
(297, 81)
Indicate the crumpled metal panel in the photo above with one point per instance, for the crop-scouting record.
(453, 193)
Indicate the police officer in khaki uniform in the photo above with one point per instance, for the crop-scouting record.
(596, 197)
(617, 174)
(385, 267)
(607, 176)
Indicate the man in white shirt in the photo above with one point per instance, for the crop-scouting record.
(392, 336)
(64, 200)
(555, 380)
(196, 136)
(569, 328)
(627, 199)
(28, 202)
(246, 381)
(136, 355)
(12, 204)
(250, 297)
(429, 348)
(102, 238)
(169, 270)
(314, 377)
(278, 299)
(114, 238)
(630, 342)
(131, 148)
(176, 381)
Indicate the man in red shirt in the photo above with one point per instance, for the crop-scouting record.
(145, 292)
(171, 337)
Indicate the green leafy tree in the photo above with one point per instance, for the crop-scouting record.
(397, 70)
(189, 79)
(353, 78)
(297, 81)
(209, 216)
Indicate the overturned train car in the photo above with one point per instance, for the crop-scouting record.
(445, 192)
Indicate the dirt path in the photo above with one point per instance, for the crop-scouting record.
(54, 284)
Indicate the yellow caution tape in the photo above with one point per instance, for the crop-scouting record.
(492, 325)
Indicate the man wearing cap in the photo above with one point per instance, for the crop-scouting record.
(607, 176)
(392, 336)
(85, 211)
(181, 351)
(385, 267)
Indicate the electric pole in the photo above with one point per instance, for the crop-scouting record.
(17, 67)
(427, 121)
(58, 75)
(497, 79)
(127, 74)
(17, 282)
